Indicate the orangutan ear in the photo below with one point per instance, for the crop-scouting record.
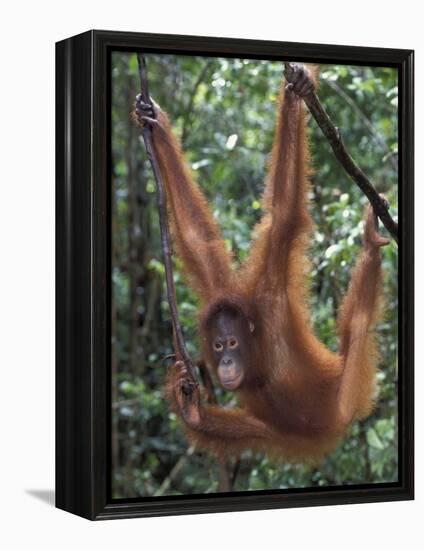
(251, 326)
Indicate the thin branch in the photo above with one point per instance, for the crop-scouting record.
(166, 483)
(334, 137)
(179, 343)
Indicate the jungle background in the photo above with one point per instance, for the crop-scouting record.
(224, 112)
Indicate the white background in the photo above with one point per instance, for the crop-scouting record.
(29, 31)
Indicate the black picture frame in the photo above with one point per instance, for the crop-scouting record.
(83, 284)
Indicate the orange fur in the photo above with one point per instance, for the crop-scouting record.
(304, 396)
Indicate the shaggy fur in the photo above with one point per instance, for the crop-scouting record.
(298, 398)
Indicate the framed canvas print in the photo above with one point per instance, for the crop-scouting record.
(234, 274)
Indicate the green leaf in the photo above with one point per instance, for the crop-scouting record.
(374, 440)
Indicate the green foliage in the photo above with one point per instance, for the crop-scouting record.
(224, 111)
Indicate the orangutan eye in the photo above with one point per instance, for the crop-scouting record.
(233, 343)
(218, 346)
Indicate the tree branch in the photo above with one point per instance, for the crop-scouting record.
(334, 137)
(179, 343)
(173, 474)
